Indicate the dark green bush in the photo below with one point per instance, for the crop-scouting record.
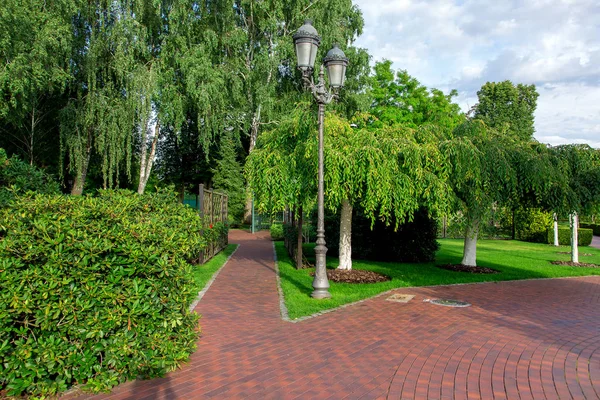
(277, 231)
(413, 241)
(95, 290)
(584, 236)
(532, 225)
(18, 177)
(594, 227)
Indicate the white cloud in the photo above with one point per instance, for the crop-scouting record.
(461, 44)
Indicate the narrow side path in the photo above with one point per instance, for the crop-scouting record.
(596, 242)
(537, 339)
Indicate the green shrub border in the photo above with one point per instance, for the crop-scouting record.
(584, 236)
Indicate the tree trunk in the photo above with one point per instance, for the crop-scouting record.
(77, 189)
(574, 238)
(146, 163)
(470, 249)
(299, 263)
(346, 236)
(514, 225)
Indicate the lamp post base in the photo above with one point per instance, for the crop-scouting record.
(320, 283)
(320, 294)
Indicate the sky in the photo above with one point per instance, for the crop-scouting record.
(462, 44)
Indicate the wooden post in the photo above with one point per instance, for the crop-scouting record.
(212, 208)
(201, 201)
(222, 208)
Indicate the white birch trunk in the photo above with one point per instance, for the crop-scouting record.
(470, 249)
(555, 230)
(346, 236)
(146, 163)
(574, 238)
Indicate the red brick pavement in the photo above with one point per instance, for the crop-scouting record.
(519, 340)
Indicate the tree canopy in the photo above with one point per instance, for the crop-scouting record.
(508, 107)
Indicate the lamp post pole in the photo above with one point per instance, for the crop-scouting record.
(307, 42)
(320, 283)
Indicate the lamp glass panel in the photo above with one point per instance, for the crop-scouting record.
(313, 54)
(304, 53)
(335, 74)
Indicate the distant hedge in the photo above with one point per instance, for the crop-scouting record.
(18, 177)
(95, 290)
(593, 227)
(584, 236)
(412, 242)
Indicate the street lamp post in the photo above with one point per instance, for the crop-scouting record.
(306, 41)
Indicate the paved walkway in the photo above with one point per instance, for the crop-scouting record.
(596, 242)
(520, 340)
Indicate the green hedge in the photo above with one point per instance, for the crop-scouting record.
(412, 242)
(95, 290)
(277, 231)
(594, 227)
(584, 236)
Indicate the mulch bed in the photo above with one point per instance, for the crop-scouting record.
(572, 264)
(468, 268)
(355, 276)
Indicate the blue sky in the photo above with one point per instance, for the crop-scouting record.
(461, 44)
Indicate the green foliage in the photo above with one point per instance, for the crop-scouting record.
(580, 166)
(389, 173)
(594, 227)
(403, 100)
(228, 177)
(584, 236)
(95, 289)
(277, 231)
(507, 107)
(413, 241)
(532, 225)
(17, 178)
(35, 43)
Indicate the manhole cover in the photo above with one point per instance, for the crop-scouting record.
(450, 303)
(401, 298)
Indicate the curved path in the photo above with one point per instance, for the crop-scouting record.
(520, 340)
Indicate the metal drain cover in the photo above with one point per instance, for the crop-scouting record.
(450, 303)
(401, 298)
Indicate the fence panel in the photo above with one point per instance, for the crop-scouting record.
(212, 207)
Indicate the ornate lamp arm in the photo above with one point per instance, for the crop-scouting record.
(319, 91)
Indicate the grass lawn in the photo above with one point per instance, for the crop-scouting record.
(514, 260)
(203, 273)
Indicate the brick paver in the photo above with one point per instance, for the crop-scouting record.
(535, 339)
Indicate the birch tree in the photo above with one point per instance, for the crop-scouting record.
(35, 45)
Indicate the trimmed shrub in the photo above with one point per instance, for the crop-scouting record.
(584, 236)
(532, 225)
(413, 241)
(18, 177)
(277, 231)
(95, 290)
(594, 227)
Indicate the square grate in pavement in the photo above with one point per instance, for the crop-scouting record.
(401, 298)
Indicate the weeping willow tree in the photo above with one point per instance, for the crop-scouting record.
(491, 168)
(388, 172)
(140, 66)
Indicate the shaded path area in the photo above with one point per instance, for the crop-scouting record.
(520, 340)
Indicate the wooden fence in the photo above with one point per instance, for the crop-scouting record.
(212, 207)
